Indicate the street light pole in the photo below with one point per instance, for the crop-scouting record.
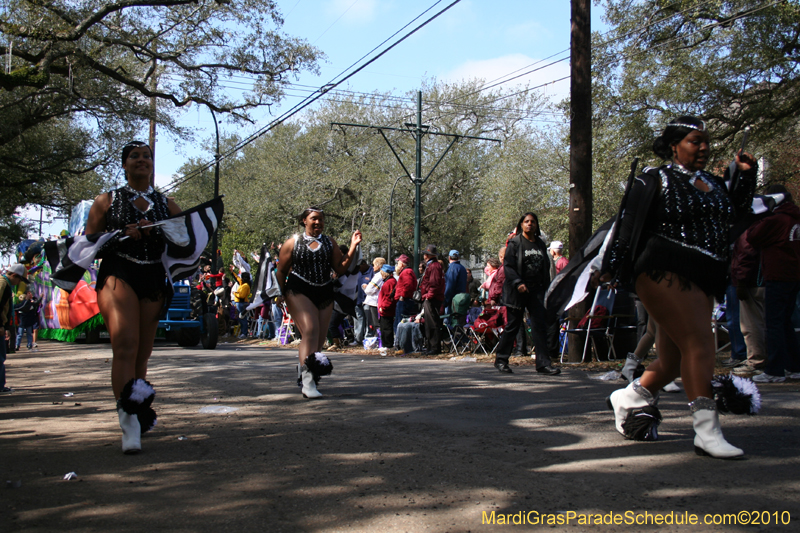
(391, 210)
(214, 238)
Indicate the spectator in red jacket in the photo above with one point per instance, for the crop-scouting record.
(387, 305)
(778, 239)
(556, 249)
(431, 288)
(496, 286)
(403, 294)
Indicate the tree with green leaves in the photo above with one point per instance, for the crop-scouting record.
(81, 78)
(733, 63)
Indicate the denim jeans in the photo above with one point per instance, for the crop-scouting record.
(241, 308)
(783, 352)
(360, 326)
(738, 347)
(261, 325)
(404, 307)
(27, 330)
(409, 337)
(277, 318)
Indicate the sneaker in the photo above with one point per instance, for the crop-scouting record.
(744, 369)
(242, 337)
(733, 363)
(792, 375)
(34, 349)
(671, 387)
(768, 378)
(35, 345)
(6, 390)
(354, 343)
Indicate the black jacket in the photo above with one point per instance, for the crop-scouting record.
(513, 266)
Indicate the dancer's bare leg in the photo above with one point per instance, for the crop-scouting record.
(306, 316)
(120, 308)
(685, 341)
(322, 325)
(148, 324)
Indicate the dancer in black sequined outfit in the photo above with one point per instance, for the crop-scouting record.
(681, 263)
(305, 265)
(132, 286)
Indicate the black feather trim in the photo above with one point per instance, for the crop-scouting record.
(642, 424)
(147, 419)
(136, 399)
(736, 395)
(319, 365)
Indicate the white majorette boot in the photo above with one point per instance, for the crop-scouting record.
(309, 385)
(708, 438)
(135, 414)
(635, 413)
(131, 432)
(631, 364)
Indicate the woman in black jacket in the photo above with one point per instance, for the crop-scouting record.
(527, 270)
(674, 245)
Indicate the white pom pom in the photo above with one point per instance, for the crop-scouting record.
(140, 391)
(322, 359)
(747, 387)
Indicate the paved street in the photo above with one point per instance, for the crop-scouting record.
(396, 445)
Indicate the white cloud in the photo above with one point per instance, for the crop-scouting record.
(353, 11)
(504, 67)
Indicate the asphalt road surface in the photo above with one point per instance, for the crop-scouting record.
(395, 445)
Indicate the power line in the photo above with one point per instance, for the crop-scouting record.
(312, 98)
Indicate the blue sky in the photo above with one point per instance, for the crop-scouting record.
(473, 39)
(484, 39)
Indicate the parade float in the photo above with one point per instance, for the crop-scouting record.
(63, 316)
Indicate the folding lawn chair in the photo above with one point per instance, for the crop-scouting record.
(286, 333)
(597, 323)
(485, 330)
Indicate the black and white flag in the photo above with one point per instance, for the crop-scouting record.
(186, 235)
(69, 258)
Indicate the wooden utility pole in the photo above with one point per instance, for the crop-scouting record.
(580, 156)
(153, 111)
(418, 130)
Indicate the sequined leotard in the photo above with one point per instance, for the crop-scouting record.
(687, 230)
(137, 263)
(311, 270)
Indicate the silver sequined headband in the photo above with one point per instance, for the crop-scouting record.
(702, 126)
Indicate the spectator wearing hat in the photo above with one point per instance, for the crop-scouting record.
(431, 287)
(28, 310)
(777, 238)
(557, 253)
(455, 280)
(387, 306)
(364, 273)
(403, 294)
(11, 278)
(371, 292)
